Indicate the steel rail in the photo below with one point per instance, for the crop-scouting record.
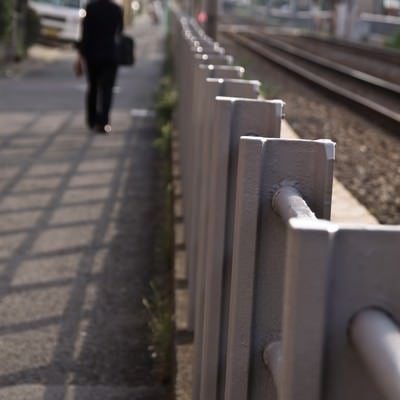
(387, 118)
(371, 80)
(391, 56)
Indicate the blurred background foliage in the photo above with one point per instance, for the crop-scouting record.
(6, 16)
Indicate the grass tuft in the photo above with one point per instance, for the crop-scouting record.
(159, 304)
(161, 325)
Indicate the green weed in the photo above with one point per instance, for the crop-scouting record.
(393, 41)
(160, 306)
(161, 325)
(6, 15)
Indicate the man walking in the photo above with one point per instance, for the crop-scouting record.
(100, 29)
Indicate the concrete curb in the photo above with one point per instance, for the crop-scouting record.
(183, 338)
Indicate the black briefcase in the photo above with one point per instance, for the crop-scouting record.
(126, 50)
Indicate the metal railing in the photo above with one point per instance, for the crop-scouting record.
(283, 303)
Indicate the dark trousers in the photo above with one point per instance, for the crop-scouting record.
(101, 79)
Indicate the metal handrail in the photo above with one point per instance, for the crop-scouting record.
(288, 203)
(376, 337)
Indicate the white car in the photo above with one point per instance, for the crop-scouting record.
(60, 19)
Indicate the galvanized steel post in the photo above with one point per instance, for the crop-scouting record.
(214, 87)
(235, 117)
(333, 274)
(259, 250)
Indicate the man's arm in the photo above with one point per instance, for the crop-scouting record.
(82, 44)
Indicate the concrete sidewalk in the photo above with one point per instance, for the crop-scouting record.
(78, 217)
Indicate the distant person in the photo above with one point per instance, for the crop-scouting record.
(100, 29)
(155, 11)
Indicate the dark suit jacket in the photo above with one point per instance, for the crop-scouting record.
(100, 28)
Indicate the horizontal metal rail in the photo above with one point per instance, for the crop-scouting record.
(377, 340)
(288, 203)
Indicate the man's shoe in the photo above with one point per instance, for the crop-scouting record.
(104, 129)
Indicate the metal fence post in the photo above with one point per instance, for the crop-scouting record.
(308, 167)
(235, 117)
(325, 297)
(308, 254)
(193, 56)
(213, 88)
(200, 175)
(185, 127)
(201, 73)
(203, 98)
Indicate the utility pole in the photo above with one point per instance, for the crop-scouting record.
(22, 10)
(18, 33)
(211, 9)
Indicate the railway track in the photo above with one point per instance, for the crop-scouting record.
(369, 95)
(368, 154)
(390, 56)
